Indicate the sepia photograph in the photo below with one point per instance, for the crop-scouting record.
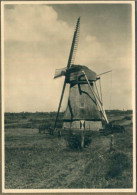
(68, 96)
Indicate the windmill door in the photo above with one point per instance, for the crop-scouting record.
(82, 124)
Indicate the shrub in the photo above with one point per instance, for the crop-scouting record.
(74, 141)
(128, 117)
(118, 162)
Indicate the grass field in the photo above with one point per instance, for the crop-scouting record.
(43, 161)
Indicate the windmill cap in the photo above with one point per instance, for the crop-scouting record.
(75, 72)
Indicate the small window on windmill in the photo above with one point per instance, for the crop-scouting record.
(82, 105)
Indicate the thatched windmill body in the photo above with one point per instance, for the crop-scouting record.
(84, 109)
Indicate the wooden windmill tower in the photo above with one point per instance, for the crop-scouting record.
(84, 109)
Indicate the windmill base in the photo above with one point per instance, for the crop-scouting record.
(83, 125)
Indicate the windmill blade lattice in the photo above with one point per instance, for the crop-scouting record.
(74, 44)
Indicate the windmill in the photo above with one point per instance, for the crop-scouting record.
(85, 108)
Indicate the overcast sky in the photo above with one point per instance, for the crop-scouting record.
(38, 40)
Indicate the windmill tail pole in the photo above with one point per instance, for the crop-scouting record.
(63, 89)
(104, 73)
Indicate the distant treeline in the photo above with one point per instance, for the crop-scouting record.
(53, 114)
(35, 114)
(120, 111)
(32, 120)
(46, 119)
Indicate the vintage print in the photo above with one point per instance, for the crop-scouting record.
(68, 86)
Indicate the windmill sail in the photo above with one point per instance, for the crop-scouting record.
(70, 61)
(60, 72)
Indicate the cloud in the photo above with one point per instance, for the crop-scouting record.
(35, 41)
(29, 22)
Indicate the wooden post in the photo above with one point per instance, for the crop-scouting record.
(82, 139)
(82, 127)
(59, 133)
(112, 142)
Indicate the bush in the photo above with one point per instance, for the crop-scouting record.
(118, 162)
(74, 141)
(128, 117)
